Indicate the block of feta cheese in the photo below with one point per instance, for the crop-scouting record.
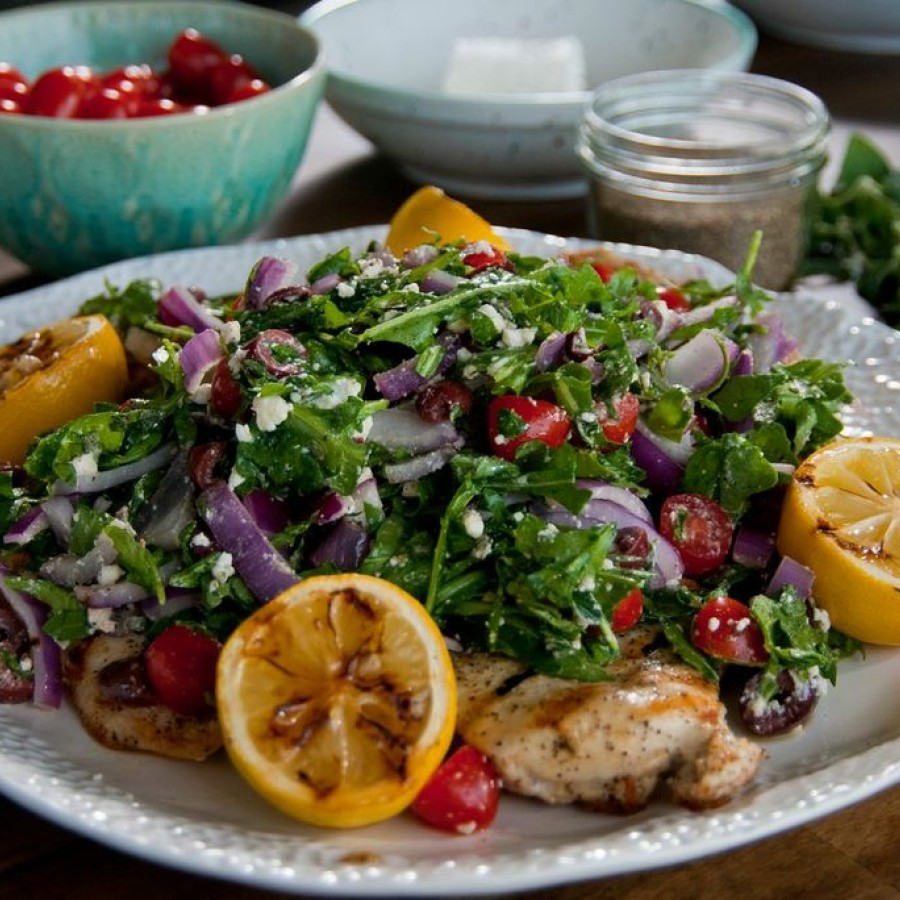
(515, 66)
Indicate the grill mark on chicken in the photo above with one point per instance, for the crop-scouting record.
(656, 727)
(105, 681)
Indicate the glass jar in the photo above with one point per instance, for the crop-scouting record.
(698, 161)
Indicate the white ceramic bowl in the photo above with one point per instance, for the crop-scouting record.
(387, 61)
(867, 26)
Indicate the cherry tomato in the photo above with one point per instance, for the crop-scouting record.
(619, 425)
(700, 530)
(463, 795)
(513, 420)
(13, 84)
(247, 90)
(192, 59)
(158, 106)
(604, 270)
(726, 629)
(181, 666)
(225, 393)
(134, 79)
(673, 298)
(627, 612)
(440, 401)
(59, 92)
(227, 75)
(108, 103)
(484, 256)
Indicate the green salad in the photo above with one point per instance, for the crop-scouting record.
(545, 452)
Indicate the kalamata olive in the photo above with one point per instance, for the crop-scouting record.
(203, 462)
(794, 701)
(125, 681)
(633, 547)
(441, 400)
(279, 351)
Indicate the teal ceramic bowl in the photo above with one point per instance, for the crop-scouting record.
(75, 194)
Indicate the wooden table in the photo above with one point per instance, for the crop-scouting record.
(852, 854)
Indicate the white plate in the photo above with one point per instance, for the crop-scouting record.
(202, 817)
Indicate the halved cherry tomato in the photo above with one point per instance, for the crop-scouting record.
(627, 612)
(514, 420)
(13, 84)
(181, 666)
(484, 256)
(725, 628)
(59, 92)
(673, 298)
(619, 425)
(700, 530)
(463, 795)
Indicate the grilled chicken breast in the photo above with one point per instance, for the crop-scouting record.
(107, 684)
(656, 727)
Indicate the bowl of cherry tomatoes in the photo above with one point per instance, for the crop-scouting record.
(135, 128)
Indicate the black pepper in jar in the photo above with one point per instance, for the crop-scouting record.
(698, 161)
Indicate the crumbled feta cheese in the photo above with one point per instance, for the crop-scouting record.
(345, 290)
(493, 314)
(340, 390)
(160, 355)
(101, 620)
(201, 540)
(110, 574)
(482, 548)
(243, 433)
(411, 288)
(202, 394)
(518, 337)
(222, 569)
(742, 625)
(713, 623)
(270, 411)
(235, 479)
(85, 467)
(473, 523)
(231, 332)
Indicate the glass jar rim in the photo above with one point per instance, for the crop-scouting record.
(789, 126)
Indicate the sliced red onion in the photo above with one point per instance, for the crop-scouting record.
(198, 356)
(366, 493)
(551, 352)
(656, 457)
(334, 506)
(60, 511)
(663, 317)
(325, 284)
(177, 600)
(344, 548)
(791, 572)
(419, 466)
(403, 429)
(743, 365)
(667, 564)
(772, 344)
(46, 656)
(180, 306)
(141, 344)
(92, 483)
(262, 567)
(67, 569)
(752, 547)
(439, 281)
(602, 490)
(270, 275)
(171, 508)
(262, 349)
(403, 380)
(698, 314)
(272, 514)
(699, 364)
(110, 596)
(27, 527)
(419, 256)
